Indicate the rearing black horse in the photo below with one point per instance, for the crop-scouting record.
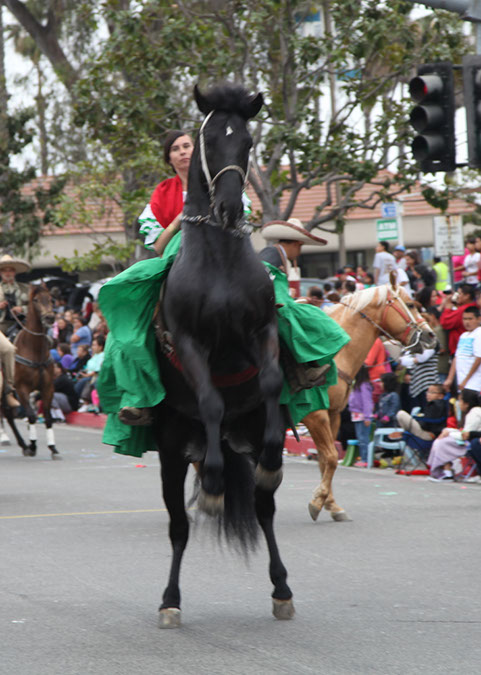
(222, 404)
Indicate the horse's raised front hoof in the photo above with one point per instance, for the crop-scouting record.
(314, 511)
(283, 609)
(268, 480)
(212, 505)
(340, 516)
(169, 617)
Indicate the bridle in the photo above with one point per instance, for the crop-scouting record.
(241, 228)
(43, 321)
(413, 324)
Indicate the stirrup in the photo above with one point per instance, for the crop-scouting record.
(135, 416)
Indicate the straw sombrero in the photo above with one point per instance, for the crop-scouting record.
(292, 229)
(19, 265)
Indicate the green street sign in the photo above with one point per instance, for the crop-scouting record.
(387, 229)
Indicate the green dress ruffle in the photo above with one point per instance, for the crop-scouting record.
(130, 373)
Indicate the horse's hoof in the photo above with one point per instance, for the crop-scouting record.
(340, 516)
(169, 618)
(212, 505)
(283, 609)
(54, 451)
(314, 511)
(268, 480)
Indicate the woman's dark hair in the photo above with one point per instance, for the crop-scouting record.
(426, 274)
(362, 376)
(170, 139)
(424, 296)
(369, 278)
(414, 255)
(390, 382)
(100, 340)
(470, 397)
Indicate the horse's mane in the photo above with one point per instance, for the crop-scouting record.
(229, 97)
(361, 299)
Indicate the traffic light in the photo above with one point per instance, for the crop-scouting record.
(472, 101)
(433, 118)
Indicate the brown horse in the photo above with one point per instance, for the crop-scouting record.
(386, 310)
(34, 368)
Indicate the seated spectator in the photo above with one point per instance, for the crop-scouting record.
(451, 318)
(389, 402)
(64, 330)
(361, 407)
(81, 334)
(86, 379)
(452, 443)
(314, 296)
(349, 287)
(466, 365)
(65, 398)
(80, 361)
(434, 409)
(65, 354)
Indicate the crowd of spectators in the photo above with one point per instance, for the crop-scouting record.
(78, 341)
(435, 394)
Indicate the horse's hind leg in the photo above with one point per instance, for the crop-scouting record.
(18, 436)
(269, 467)
(173, 472)
(319, 427)
(282, 605)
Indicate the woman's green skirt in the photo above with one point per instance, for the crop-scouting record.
(130, 373)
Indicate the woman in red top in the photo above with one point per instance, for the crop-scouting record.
(160, 220)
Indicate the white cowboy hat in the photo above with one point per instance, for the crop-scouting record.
(19, 265)
(291, 229)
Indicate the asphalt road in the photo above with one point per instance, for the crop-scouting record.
(84, 557)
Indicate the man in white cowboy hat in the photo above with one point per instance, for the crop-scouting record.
(13, 302)
(308, 336)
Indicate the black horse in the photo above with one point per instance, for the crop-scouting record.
(223, 382)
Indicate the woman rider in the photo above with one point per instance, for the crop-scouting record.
(129, 382)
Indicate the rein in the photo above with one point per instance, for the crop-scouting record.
(27, 330)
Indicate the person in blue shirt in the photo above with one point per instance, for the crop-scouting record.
(82, 334)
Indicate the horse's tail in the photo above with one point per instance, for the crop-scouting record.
(239, 520)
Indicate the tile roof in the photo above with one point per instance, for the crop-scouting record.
(111, 217)
(414, 203)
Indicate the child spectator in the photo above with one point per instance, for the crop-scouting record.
(435, 409)
(361, 406)
(389, 401)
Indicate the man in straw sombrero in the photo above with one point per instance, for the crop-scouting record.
(13, 302)
(309, 338)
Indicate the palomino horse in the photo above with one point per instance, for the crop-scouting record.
(34, 368)
(223, 386)
(386, 310)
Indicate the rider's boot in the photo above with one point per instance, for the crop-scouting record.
(11, 397)
(302, 375)
(135, 416)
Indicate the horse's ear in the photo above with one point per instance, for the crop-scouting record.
(253, 106)
(393, 279)
(202, 103)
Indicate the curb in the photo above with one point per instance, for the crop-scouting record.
(92, 420)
